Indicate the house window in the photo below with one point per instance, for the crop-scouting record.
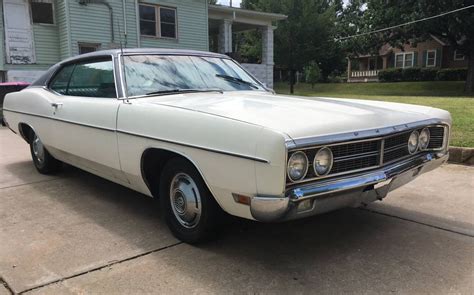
(42, 11)
(88, 47)
(157, 21)
(431, 58)
(458, 55)
(167, 22)
(404, 60)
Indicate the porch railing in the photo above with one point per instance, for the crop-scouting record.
(363, 74)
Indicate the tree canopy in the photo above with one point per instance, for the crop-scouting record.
(307, 35)
(368, 15)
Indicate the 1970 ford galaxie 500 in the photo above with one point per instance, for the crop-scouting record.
(198, 132)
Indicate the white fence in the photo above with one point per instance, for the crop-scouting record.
(362, 74)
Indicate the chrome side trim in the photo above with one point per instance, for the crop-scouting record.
(62, 120)
(149, 137)
(196, 147)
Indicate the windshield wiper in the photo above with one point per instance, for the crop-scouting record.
(237, 80)
(179, 90)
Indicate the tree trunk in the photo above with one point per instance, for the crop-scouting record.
(469, 87)
(292, 81)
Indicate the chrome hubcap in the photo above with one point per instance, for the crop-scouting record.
(38, 149)
(185, 200)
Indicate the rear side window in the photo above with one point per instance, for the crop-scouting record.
(91, 79)
(61, 80)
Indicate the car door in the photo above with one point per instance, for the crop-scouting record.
(84, 111)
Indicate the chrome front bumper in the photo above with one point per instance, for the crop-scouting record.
(348, 191)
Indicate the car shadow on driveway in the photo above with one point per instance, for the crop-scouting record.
(79, 222)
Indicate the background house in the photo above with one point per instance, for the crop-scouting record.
(38, 33)
(433, 53)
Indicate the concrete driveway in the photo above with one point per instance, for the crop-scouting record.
(77, 233)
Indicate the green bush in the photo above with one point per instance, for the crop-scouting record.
(411, 74)
(312, 73)
(452, 74)
(422, 74)
(427, 74)
(390, 75)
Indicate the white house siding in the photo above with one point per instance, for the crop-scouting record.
(63, 29)
(75, 23)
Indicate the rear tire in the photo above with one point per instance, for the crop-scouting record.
(187, 204)
(42, 159)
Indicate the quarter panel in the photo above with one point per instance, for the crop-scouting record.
(198, 137)
(31, 106)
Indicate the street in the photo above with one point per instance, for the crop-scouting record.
(77, 233)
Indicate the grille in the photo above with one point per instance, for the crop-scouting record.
(353, 164)
(436, 137)
(367, 154)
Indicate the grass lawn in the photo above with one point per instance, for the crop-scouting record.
(443, 95)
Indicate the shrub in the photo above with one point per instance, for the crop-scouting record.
(427, 74)
(422, 74)
(312, 73)
(390, 75)
(411, 74)
(452, 74)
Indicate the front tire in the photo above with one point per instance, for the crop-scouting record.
(187, 204)
(42, 159)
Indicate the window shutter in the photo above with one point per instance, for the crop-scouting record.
(439, 53)
(423, 61)
(415, 59)
(392, 61)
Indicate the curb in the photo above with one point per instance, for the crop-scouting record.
(461, 155)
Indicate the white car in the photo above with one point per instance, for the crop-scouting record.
(202, 135)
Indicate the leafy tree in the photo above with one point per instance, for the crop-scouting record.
(307, 34)
(312, 73)
(368, 15)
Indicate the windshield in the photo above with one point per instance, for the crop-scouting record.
(153, 74)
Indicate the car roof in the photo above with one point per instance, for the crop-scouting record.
(134, 51)
(43, 80)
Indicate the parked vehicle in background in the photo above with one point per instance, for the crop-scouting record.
(8, 87)
(196, 131)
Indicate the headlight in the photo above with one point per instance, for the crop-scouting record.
(323, 161)
(297, 166)
(424, 139)
(413, 142)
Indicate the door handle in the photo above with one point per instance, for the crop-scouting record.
(56, 104)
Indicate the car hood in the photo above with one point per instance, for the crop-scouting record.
(297, 116)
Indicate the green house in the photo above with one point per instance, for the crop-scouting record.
(38, 33)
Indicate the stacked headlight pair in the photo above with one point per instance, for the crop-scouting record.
(298, 164)
(418, 140)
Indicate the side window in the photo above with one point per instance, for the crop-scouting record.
(61, 80)
(93, 79)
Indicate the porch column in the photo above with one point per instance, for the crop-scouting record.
(225, 37)
(267, 54)
(349, 69)
(384, 62)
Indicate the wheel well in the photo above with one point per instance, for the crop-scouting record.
(152, 163)
(26, 132)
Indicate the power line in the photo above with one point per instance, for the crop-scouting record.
(405, 24)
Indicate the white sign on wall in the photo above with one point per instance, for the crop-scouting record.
(19, 42)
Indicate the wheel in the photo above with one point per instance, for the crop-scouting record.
(44, 162)
(187, 204)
